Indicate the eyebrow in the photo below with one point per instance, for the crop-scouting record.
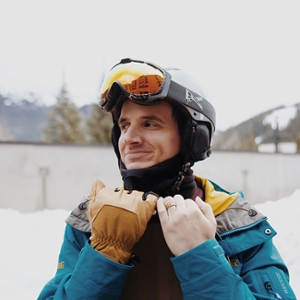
(146, 117)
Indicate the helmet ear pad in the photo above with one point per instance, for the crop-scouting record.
(196, 141)
(115, 135)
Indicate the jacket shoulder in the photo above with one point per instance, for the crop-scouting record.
(79, 217)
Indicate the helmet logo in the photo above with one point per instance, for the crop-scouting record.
(189, 97)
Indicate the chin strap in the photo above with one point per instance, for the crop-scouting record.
(181, 175)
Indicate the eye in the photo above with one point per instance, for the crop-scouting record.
(123, 126)
(149, 124)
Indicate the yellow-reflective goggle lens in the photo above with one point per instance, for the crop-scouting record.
(136, 78)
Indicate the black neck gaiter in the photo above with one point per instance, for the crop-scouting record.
(160, 178)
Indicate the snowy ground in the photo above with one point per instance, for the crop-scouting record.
(31, 242)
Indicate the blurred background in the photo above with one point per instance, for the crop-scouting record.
(55, 140)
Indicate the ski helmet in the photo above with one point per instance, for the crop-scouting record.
(145, 83)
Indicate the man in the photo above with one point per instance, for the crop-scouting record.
(167, 233)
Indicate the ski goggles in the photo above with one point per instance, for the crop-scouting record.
(145, 83)
(140, 81)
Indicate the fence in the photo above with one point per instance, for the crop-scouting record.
(38, 176)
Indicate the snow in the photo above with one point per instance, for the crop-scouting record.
(31, 243)
(281, 117)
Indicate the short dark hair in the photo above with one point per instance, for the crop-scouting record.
(180, 117)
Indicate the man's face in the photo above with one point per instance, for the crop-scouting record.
(149, 134)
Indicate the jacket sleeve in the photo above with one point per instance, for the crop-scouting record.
(205, 273)
(83, 273)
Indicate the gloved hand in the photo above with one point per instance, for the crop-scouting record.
(118, 219)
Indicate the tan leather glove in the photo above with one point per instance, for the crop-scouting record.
(118, 219)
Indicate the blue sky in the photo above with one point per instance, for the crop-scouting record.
(245, 54)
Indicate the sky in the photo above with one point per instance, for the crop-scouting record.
(29, 254)
(245, 54)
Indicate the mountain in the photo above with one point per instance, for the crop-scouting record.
(280, 124)
(23, 121)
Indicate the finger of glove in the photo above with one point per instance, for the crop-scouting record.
(136, 203)
(151, 201)
(132, 202)
(97, 185)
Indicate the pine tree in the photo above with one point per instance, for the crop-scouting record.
(98, 123)
(98, 126)
(64, 125)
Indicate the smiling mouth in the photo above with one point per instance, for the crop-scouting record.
(136, 155)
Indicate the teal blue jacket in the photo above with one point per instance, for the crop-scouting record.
(241, 263)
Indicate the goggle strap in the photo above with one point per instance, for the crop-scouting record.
(176, 91)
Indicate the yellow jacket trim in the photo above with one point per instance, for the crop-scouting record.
(219, 201)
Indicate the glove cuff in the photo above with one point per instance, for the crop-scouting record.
(113, 250)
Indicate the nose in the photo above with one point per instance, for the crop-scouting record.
(132, 135)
